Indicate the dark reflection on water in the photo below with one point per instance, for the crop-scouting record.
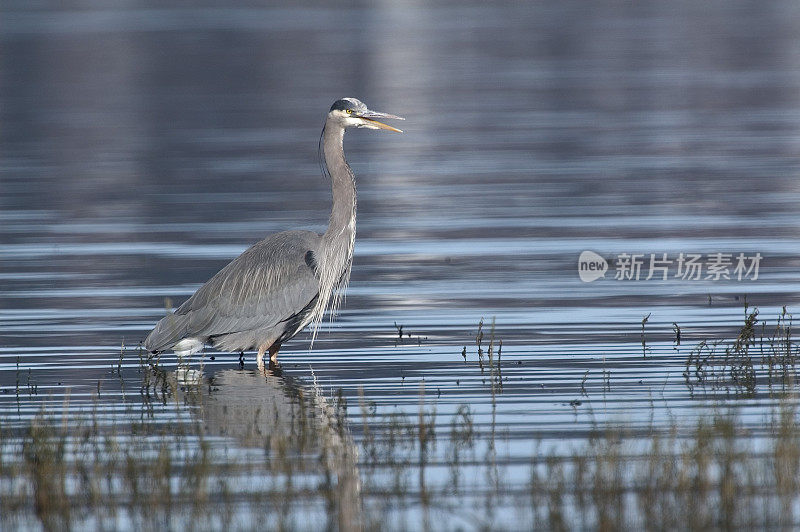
(300, 431)
(146, 144)
(250, 406)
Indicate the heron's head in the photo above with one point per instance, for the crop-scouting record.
(349, 112)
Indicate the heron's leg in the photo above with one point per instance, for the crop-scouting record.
(273, 353)
(241, 359)
(260, 356)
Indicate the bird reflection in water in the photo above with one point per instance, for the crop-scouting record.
(300, 431)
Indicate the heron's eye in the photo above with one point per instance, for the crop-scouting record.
(349, 111)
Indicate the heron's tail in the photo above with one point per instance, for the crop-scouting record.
(167, 332)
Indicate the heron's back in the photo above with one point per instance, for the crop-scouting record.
(256, 298)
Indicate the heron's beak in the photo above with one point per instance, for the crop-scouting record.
(372, 115)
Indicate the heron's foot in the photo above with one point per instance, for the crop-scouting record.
(271, 369)
(274, 368)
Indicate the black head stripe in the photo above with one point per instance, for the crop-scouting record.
(341, 105)
(347, 103)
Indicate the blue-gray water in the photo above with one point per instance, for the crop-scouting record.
(143, 145)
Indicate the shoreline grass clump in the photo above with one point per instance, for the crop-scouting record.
(758, 355)
(710, 475)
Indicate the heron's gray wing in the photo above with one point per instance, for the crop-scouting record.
(267, 284)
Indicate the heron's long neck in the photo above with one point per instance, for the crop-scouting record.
(335, 254)
(342, 224)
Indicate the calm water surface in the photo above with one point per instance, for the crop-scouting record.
(144, 145)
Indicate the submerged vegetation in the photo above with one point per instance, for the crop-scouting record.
(181, 453)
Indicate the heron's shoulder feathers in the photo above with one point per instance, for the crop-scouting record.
(275, 264)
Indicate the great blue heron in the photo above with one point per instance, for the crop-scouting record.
(274, 289)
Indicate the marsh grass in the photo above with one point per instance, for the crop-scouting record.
(644, 342)
(72, 468)
(709, 474)
(69, 473)
(488, 359)
(159, 467)
(759, 354)
(65, 473)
